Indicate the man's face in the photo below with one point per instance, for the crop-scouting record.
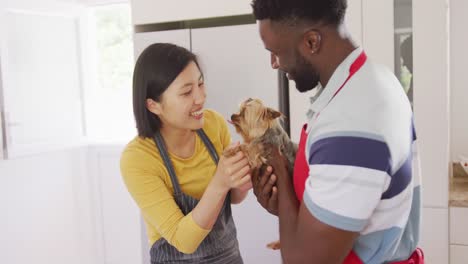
(283, 46)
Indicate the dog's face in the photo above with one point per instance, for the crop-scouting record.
(254, 119)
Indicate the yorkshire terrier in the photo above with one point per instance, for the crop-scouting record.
(261, 132)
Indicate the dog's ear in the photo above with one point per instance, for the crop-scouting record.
(272, 113)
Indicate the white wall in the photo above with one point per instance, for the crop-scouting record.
(41, 221)
(48, 6)
(44, 200)
(459, 78)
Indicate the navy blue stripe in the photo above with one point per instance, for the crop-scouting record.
(400, 179)
(351, 151)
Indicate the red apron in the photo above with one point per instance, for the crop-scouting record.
(301, 171)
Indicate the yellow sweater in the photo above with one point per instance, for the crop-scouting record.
(149, 184)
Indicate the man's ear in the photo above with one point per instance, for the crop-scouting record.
(153, 106)
(312, 42)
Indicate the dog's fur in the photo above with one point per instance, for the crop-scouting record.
(261, 131)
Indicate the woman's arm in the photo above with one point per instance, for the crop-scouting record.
(232, 173)
(157, 204)
(238, 195)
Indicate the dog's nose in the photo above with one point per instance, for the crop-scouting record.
(233, 118)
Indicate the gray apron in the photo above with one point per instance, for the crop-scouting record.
(220, 246)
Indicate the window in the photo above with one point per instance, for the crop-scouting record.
(107, 66)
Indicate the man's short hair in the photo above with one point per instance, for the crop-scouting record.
(328, 12)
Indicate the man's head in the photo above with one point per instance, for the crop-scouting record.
(294, 31)
(406, 50)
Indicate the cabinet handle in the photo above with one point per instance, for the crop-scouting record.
(7, 131)
(3, 133)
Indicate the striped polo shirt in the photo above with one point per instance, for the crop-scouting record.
(364, 174)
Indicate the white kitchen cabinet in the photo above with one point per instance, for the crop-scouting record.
(434, 235)
(459, 225)
(378, 30)
(143, 40)
(2, 118)
(431, 98)
(42, 106)
(458, 254)
(160, 11)
(116, 216)
(458, 78)
(237, 66)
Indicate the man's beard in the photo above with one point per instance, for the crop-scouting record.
(305, 77)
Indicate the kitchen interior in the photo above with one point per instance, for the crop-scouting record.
(66, 114)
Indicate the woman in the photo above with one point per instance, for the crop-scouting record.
(171, 169)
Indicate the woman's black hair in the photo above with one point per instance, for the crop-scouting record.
(156, 68)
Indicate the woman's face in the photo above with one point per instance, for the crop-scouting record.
(181, 105)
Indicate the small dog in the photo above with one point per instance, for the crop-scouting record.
(261, 131)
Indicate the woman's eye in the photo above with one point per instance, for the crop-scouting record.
(187, 93)
(201, 84)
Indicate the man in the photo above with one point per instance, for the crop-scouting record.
(353, 197)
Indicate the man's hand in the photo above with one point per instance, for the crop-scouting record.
(266, 191)
(280, 165)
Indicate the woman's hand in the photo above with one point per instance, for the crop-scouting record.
(233, 172)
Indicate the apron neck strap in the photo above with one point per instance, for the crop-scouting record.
(209, 145)
(161, 146)
(159, 141)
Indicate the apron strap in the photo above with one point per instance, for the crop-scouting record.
(167, 162)
(214, 156)
(209, 145)
(159, 141)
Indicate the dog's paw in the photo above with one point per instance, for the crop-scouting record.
(232, 151)
(274, 245)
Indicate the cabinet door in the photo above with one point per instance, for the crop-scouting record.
(378, 29)
(2, 118)
(458, 225)
(237, 67)
(432, 97)
(458, 254)
(144, 39)
(159, 11)
(434, 235)
(119, 235)
(458, 78)
(41, 81)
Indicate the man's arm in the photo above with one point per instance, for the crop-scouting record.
(303, 237)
